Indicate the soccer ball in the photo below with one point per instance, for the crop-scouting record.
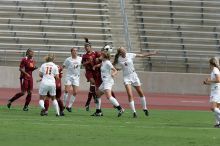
(107, 48)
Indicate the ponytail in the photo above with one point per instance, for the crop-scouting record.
(116, 57)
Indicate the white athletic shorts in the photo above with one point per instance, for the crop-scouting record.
(72, 80)
(47, 88)
(132, 79)
(215, 95)
(106, 85)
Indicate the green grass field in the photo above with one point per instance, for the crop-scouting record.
(161, 128)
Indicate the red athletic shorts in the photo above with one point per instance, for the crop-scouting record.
(26, 84)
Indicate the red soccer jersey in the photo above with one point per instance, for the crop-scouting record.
(28, 65)
(90, 56)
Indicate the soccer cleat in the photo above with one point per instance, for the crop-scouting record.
(97, 114)
(134, 115)
(62, 113)
(43, 113)
(9, 104)
(121, 111)
(217, 126)
(146, 112)
(57, 115)
(87, 107)
(25, 108)
(69, 109)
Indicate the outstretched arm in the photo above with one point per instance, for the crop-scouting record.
(147, 54)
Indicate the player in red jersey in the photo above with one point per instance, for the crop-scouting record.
(88, 61)
(58, 95)
(27, 66)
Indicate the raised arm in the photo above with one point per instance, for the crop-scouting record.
(147, 54)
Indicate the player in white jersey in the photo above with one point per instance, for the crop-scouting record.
(214, 82)
(107, 73)
(125, 60)
(48, 72)
(72, 64)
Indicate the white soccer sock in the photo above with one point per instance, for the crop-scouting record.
(217, 110)
(132, 106)
(72, 99)
(56, 106)
(114, 101)
(98, 105)
(143, 102)
(41, 103)
(65, 96)
(217, 118)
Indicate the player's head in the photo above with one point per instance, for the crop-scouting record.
(74, 51)
(213, 62)
(87, 45)
(50, 57)
(29, 53)
(121, 51)
(105, 55)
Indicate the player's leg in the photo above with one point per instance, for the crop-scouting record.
(52, 92)
(131, 99)
(72, 98)
(29, 94)
(114, 101)
(66, 94)
(88, 101)
(60, 103)
(143, 99)
(17, 95)
(98, 111)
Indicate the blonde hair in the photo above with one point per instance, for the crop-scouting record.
(213, 61)
(50, 57)
(107, 55)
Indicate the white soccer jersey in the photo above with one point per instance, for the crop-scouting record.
(49, 71)
(215, 87)
(127, 63)
(73, 66)
(106, 70)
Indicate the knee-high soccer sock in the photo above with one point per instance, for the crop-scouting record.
(55, 104)
(89, 99)
(72, 99)
(60, 103)
(98, 104)
(115, 103)
(65, 96)
(28, 99)
(16, 96)
(46, 104)
(41, 103)
(217, 112)
(113, 94)
(143, 103)
(132, 106)
(217, 118)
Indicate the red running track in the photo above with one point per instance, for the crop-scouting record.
(154, 100)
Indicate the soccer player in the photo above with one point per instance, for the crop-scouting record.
(48, 72)
(107, 73)
(27, 66)
(88, 61)
(58, 94)
(73, 65)
(214, 82)
(125, 60)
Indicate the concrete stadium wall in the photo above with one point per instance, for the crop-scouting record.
(153, 82)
